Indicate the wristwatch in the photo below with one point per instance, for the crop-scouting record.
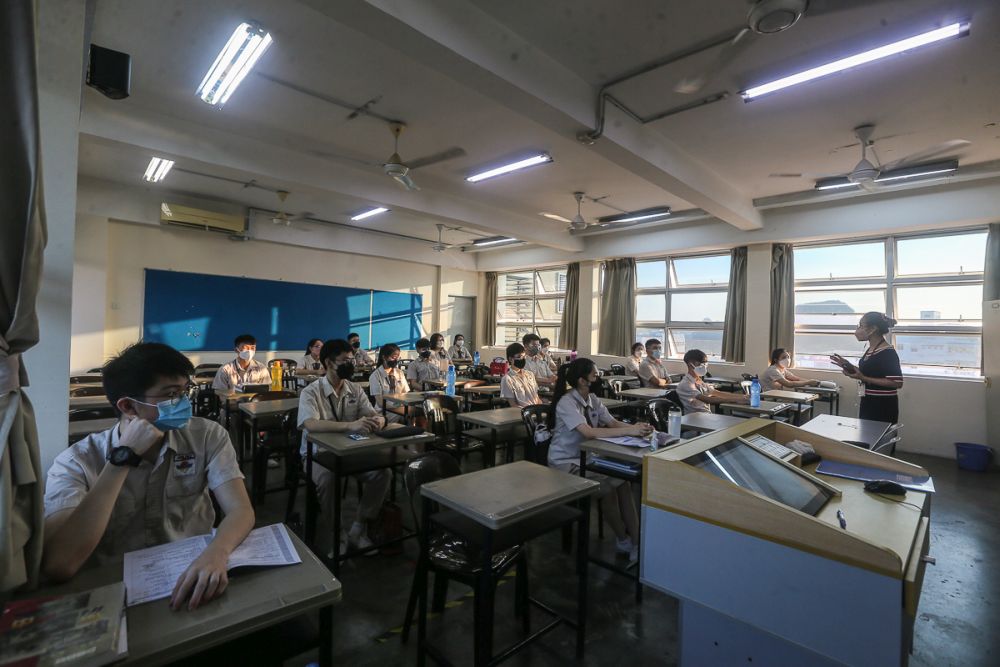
(124, 456)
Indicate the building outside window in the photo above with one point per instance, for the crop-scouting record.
(530, 302)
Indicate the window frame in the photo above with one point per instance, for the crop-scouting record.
(559, 297)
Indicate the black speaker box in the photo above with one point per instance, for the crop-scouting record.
(110, 72)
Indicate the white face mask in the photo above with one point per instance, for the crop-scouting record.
(701, 370)
(246, 355)
(783, 362)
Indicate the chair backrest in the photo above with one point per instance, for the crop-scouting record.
(207, 367)
(887, 446)
(617, 369)
(205, 374)
(96, 370)
(745, 385)
(87, 390)
(616, 389)
(659, 409)
(676, 377)
(536, 417)
(87, 414)
(441, 411)
(423, 469)
(272, 396)
(83, 379)
(285, 363)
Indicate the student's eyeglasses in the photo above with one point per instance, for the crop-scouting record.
(174, 397)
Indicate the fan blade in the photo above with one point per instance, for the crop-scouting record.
(428, 160)
(729, 52)
(805, 174)
(820, 7)
(928, 153)
(406, 182)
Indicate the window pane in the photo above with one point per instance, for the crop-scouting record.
(507, 334)
(839, 307)
(932, 306)
(552, 333)
(651, 274)
(813, 350)
(708, 341)
(518, 310)
(550, 280)
(856, 260)
(712, 270)
(698, 307)
(921, 353)
(651, 308)
(960, 253)
(549, 310)
(642, 334)
(514, 284)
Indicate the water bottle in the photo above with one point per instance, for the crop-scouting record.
(450, 390)
(755, 392)
(475, 357)
(276, 376)
(674, 423)
(572, 355)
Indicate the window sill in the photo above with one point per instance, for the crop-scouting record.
(917, 376)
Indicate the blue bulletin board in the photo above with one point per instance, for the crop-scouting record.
(201, 312)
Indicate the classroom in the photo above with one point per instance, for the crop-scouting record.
(467, 333)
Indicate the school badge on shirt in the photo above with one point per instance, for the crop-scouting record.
(184, 465)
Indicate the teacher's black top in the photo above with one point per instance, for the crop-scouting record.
(880, 403)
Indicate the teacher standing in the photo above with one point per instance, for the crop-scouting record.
(878, 372)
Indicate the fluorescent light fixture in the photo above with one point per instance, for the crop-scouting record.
(918, 172)
(637, 216)
(959, 29)
(553, 216)
(540, 158)
(493, 240)
(237, 58)
(835, 184)
(157, 170)
(369, 213)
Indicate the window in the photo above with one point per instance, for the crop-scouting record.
(931, 284)
(530, 302)
(682, 302)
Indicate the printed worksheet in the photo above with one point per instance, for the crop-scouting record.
(150, 574)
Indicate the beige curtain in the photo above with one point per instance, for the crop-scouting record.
(782, 298)
(22, 241)
(489, 336)
(734, 333)
(617, 328)
(991, 280)
(570, 328)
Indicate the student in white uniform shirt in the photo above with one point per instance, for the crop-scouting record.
(546, 345)
(777, 375)
(361, 357)
(651, 371)
(634, 359)
(422, 368)
(242, 370)
(335, 404)
(310, 364)
(518, 385)
(535, 361)
(579, 415)
(388, 379)
(697, 395)
(439, 355)
(146, 480)
(458, 351)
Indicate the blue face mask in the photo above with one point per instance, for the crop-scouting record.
(655, 353)
(173, 416)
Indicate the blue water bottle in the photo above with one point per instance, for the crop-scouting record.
(450, 390)
(475, 357)
(755, 392)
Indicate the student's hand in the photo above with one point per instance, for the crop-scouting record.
(361, 426)
(204, 580)
(139, 435)
(375, 422)
(642, 429)
(813, 383)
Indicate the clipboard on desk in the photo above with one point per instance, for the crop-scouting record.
(865, 474)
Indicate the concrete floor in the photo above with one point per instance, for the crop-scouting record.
(958, 615)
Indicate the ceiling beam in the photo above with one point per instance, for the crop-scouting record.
(464, 43)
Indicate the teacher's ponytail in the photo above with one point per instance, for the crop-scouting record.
(880, 321)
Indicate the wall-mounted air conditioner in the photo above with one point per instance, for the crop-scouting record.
(209, 221)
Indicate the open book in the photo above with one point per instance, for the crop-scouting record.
(150, 574)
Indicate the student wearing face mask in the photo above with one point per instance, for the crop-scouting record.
(458, 351)
(439, 354)
(652, 373)
(546, 345)
(146, 480)
(361, 357)
(777, 375)
(878, 373)
(535, 360)
(518, 385)
(242, 370)
(335, 404)
(635, 359)
(310, 364)
(578, 416)
(697, 395)
(388, 379)
(423, 368)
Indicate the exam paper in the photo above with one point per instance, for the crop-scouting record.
(150, 574)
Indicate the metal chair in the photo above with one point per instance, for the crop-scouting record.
(86, 390)
(659, 409)
(618, 369)
(535, 417)
(442, 420)
(83, 379)
(889, 440)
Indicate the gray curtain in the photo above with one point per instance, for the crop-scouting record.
(617, 328)
(489, 336)
(22, 230)
(782, 297)
(991, 280)
(570, 329)
(734, 334)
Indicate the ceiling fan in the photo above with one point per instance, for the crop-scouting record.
(441, 246)
(865, 173)
(399, 170)
(282, 218)
(577, 223)
(765, 17)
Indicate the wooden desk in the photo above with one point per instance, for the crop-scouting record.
(348, 457)
(706, 422)
(81, 402)
(800, 400)
(251, 412)
(255, 599)
(864, 432)
(766, 409)
(491, 390)
(647, 393)
(612, 403)
(730, 384)
(495, 421)
(619, 378)
(826, 395)
(500, 498)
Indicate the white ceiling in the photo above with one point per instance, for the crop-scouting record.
(356, 50)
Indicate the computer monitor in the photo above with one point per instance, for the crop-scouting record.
(740, 463)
